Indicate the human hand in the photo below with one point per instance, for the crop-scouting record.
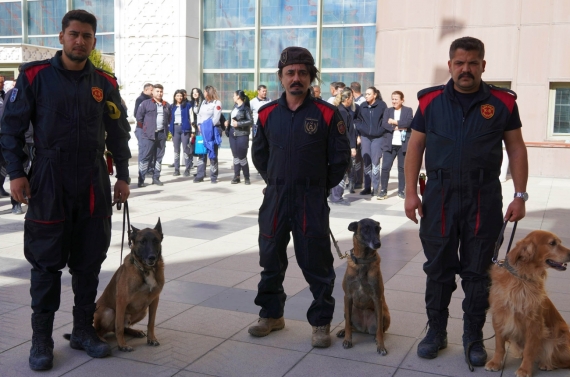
(121, 191)
(412, 203)
(516, 210)
(358, 140)
(234, 123)
(391, 121)
(20, 190)
(353, 152)
(263, 191)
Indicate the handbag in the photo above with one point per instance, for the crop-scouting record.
(199, 147)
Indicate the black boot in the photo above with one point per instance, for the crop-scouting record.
(436, 337)
(83, 336)
(473, 334)
(41, 353)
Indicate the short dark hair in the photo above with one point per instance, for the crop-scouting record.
(261, 86)
(340, 85)
(333, 84)
(355, 86)
(467, 44)
(81, 16)
(398, 93)
(158, 86)
(147, 85)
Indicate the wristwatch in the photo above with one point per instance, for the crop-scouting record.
(128, 180)
(522, 195)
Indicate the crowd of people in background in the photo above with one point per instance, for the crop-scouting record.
(196, 123)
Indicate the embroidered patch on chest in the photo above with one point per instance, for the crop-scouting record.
(341, 127)
(311, 126)
(487, 111)
(97, 94)
(14, 94)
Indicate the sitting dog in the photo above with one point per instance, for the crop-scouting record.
(522, 312)
(365, 308)
(134, 288)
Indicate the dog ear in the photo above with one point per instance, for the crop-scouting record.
(133, 233)
(158, 228)
(353, 226)
(523, 251)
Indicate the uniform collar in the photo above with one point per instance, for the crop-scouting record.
(308, 99)
(56, 62)
(483, 92)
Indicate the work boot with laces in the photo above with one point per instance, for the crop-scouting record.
(266, 325)
(84, 336)
(436, 337)
(321, 336)
(473, 334)
(41, 353)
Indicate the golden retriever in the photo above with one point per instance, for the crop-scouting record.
(522, 312)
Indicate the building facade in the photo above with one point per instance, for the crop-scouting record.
(403, 45)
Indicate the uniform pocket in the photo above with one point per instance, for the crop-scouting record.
(268, 212)
(46, 202)
(312, 214)
(100, 199)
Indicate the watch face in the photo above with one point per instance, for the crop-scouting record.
(522, 195)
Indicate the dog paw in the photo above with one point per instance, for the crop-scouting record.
(522, 372)
(153, 342)
(493, 366)
(126, 348)
(347, 344)
(382, 350)
(545, 367)
(340, 333)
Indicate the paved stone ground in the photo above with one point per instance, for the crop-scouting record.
(212, 271)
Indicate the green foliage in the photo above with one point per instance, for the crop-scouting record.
(98, 61)
(251, 94)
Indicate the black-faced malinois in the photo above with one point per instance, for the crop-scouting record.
(134, 288)
(365, 308)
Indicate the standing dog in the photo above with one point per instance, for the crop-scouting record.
(522, 312)
(365, 308)
(134, 288)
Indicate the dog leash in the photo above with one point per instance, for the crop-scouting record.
(499, 242)
(128, 221)
(338, 248)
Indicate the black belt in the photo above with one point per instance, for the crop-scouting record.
(481, 174)
(299, 182)
(59, 155)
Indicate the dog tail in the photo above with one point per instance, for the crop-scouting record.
(67, 336)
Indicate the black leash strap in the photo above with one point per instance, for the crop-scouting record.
(501, 239)
(336, 246)
(128, 222)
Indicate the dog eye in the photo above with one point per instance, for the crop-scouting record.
(552, 243)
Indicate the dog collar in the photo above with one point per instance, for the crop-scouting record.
(507, 266)
(362, 260)
(134, 261)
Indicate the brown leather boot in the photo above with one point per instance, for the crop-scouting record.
(321, 336)
(266, 325)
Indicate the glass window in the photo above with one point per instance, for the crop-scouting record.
(11, 40)
(275, 40)
(44, 16)
(226, 84)
(229, 13)
(288, 12)
(229, 49)
(106, 43)
(348, 47)
(562, 111)
(271, 81)
(10, 18)
(104, 10)
(349, 11)
(365, 79)
(45, 41)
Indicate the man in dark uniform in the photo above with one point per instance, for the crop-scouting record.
(301, 150)
(72, 106)
(461, 127)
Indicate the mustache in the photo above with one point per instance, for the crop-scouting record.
(296, 84)
(466, 74)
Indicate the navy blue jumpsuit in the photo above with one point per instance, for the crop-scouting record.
(462, 202)
(300, 154)
(75, 115)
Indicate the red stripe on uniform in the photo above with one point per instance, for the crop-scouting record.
(109, 78)
(506, 98)
(426, 100)
(33, 71)
(327, 112)
(264, 113)
(91, 200)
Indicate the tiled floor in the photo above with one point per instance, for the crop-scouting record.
(212, 271)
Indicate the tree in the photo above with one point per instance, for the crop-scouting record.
(97, 59)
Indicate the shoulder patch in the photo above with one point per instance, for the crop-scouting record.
(327, 112)
(426, 99)
(32, 70)
(506, 97)
(264, 112)
(108, 76)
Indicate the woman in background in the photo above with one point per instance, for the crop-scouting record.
(180, 129)
(240, 121)
(211, 108)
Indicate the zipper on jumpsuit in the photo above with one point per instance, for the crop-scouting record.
(289, 157)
